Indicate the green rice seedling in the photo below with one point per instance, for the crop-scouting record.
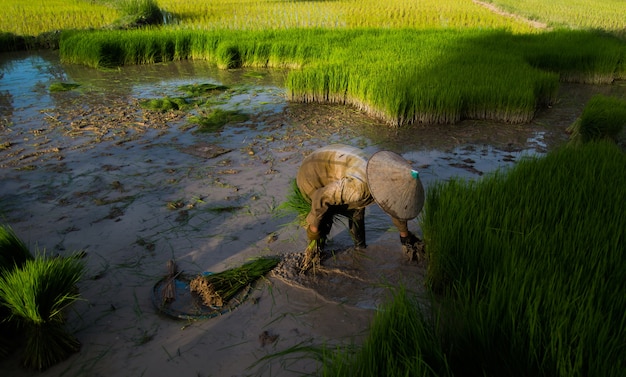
(13, 254)
(218, 289)
(602, 118)
(165, 104)
(62, 86)
(36, 294)
(402, 341)
(32, 19)
(296, 204)
(529, 263)
(401, 76)
(197, 90)
(139, 13)
(602, 14)
(13, 251)
(216, 119)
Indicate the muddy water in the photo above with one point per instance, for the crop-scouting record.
(90, 170)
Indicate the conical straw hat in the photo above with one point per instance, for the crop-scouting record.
(395, 186)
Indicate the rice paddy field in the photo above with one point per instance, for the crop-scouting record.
(526, 266)
(431, 62)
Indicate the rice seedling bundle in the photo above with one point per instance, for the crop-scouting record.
(295, 204)
(216, 290)
(37, 294)
(13, 254)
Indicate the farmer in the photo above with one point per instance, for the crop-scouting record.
(339, 180)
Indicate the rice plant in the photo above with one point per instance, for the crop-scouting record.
(13, 254)
(601, 14)
(602, 118)
(139, 13)
(62, 86)
(215, 119)
(164, 104)
(295, 204)
(531, 263)
(402, 341)
(37, 295)
(400, 76)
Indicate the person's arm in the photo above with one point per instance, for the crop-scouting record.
(406, 237)
(348, 190)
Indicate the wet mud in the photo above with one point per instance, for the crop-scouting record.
(90, 169)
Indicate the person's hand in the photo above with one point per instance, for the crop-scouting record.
(413, 247)
(411, 239)
(313, 236)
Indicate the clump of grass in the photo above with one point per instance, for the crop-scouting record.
(295, 203)
(13, 254)
(602, 118)
(139, 13)
(402, 341)
(216, 119)
(62, 86)
(36, 295)
(165, 104)
(218, 289)
(530, 265)
(197, 90)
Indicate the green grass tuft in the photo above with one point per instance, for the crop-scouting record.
(602, 118)
(295, 204)
(165, 104)
(197, 90)
(62, 86)
(36, 295)
(216, 119)
(139, 13)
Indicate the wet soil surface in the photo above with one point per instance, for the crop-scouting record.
(89, 169)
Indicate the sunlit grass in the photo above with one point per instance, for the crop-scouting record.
(602, 118)
(35, 17)
(401, 76)
(609, 15)
(246, 14)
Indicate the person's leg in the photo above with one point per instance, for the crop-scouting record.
(356, 220)
(325, 226)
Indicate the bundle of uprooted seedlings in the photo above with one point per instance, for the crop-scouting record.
(218, 289)
(296, 203)
(37, 294)
(13, 254)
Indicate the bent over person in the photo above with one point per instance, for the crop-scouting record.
(340, 180)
